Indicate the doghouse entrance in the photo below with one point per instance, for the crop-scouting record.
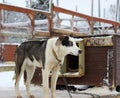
(74, 65)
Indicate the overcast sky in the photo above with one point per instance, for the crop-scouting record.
(83, 6)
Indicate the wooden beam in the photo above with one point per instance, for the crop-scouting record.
(24, 24)
(87, 17)
(8, 34)
(21, 9)
(42, 34)
(58, 32)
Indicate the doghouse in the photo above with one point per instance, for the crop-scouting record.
(98, 65)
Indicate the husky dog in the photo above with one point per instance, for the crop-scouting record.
(47, 54)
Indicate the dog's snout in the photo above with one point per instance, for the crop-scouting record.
(79, 51)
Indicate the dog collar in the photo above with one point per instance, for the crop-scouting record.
(55, 55)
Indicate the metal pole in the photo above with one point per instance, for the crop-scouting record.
(92, 17)
(58, 6)
(3, 14)
(99, 11)
(30, 3)
(92, 8)
(76, 9)
(27, 3)
(117, 10)
(57, 2)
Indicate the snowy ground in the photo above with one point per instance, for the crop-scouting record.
(6, 77)
(6, 84)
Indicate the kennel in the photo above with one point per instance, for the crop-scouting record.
(98, 65)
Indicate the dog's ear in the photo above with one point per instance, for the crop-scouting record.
(65, 41)
(78, 39)
(62, 40)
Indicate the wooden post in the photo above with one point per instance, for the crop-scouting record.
(115, 28)
(32, 19)
(91, 24)
(50, 25)
(0, 20)
(50, 17)
(72, 23)
(82, 59)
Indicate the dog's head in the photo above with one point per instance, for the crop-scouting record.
(68, 45)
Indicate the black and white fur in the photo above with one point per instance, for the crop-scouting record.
(47, 54)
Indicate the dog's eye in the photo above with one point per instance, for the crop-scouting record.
(70, 43)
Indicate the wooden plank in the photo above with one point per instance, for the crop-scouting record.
(42, 34)
(21, 9)
(117, 60)
(82, 58)
(8, 34)
(25, 24)
(70, 74)
(58, 32)
(7, 68)
(38, 34)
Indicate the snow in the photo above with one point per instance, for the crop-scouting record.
(7, 64)
(104, 90)
(6, 83)
(6, 80)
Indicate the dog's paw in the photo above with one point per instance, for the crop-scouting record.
(19, 97)
(31, 96)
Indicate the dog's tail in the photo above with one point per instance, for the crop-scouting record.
(19, 59)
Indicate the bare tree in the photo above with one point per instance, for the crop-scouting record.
(41, 5)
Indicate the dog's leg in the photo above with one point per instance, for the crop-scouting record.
(17, 84)
(30, 72)
(55, 74)
(45, 79)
